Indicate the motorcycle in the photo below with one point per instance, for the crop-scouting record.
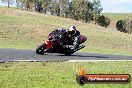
(53, 45)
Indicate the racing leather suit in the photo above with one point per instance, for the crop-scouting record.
(75, 39)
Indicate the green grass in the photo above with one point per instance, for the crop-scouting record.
(118, 16)
(26, 30)
(58, 74)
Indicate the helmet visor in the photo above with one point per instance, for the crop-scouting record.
(71, 32)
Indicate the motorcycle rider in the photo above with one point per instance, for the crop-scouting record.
(74, 35)
(71, 34)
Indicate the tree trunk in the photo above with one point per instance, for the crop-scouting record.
(8, 3)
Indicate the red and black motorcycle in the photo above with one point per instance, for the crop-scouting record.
(53, 45)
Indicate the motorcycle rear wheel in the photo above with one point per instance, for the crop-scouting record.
(40, 49)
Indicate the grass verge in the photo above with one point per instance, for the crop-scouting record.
(58, 74)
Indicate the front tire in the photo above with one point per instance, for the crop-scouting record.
(40, 49)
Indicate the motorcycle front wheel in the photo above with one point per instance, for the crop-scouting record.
(40, 49)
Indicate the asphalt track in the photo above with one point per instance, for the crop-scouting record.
(7, 55)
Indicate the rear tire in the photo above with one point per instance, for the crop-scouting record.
(40, 49)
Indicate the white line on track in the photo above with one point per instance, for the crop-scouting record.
(96, 60)
(69, 61)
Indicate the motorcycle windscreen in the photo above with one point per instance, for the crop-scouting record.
(82, 39)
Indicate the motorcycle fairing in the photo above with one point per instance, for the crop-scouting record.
(82, 39)
(48, 44)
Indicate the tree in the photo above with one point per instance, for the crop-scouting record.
(38, 6)
(103, 20)
(25, 4)
(9, 2)
(81, 10)
(96, 8)
(45, 4)
(29, 4)
(124, 25)
(63, 5)
(69, 9)
(77, 10)
(20, 3)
